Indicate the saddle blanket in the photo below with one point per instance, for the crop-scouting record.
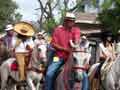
(14, 66)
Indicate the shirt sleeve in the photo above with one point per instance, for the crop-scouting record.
(55, 36)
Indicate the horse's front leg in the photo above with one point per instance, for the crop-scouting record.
(31, 84)
(38, 86)
(110, 82)
(30, 81)
(40, 77)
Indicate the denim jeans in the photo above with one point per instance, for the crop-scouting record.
(52, 73)
(85, 82)
(51, 53)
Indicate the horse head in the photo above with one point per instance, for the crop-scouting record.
(81, 61)
(39, 57)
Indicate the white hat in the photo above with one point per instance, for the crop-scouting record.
(70, 15)
(9, 27)
(84, 37)
(43, 33)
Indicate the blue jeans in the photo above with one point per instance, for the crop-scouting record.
(51, 53)
(52, 73)
(85, 82)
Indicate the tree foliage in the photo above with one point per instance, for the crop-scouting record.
(48, 10)
(7, 12)
(110, 16)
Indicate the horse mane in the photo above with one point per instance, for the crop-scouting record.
(33, 58)
(35, 61)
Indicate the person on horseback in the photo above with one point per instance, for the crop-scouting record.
(60, 42)
(9, 39)
(106, 52)
(23, 47)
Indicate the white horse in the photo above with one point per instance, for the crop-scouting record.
(34, 72)
(112, 78)
(110, 74)
(75, 66)
(80, 65)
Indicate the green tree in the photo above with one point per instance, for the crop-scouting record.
(48, 20)
(7, 12)
(17, 17)
(110, 16)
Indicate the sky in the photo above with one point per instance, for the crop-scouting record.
(27, 9)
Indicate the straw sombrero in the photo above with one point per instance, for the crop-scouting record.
(24, 28)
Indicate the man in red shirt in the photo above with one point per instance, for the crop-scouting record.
(61, 43)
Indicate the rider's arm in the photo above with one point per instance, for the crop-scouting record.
(58, 47)
(55, 41)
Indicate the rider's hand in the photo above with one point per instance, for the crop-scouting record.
(67, 50)
(29, 48)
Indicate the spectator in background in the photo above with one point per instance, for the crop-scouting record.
(40, 39)
(9, 39)
(84, 43)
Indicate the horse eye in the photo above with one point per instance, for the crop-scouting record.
(39, 49)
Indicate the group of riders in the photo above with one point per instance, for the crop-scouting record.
(66, 38)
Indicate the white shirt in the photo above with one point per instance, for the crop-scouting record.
(104, 50)
(22, 46)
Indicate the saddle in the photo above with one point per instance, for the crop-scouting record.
(14, 67)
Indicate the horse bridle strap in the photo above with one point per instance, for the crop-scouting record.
(79, 51)
(79, 68)
(36, 70)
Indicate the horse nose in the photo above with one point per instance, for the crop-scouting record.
(41, 55)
